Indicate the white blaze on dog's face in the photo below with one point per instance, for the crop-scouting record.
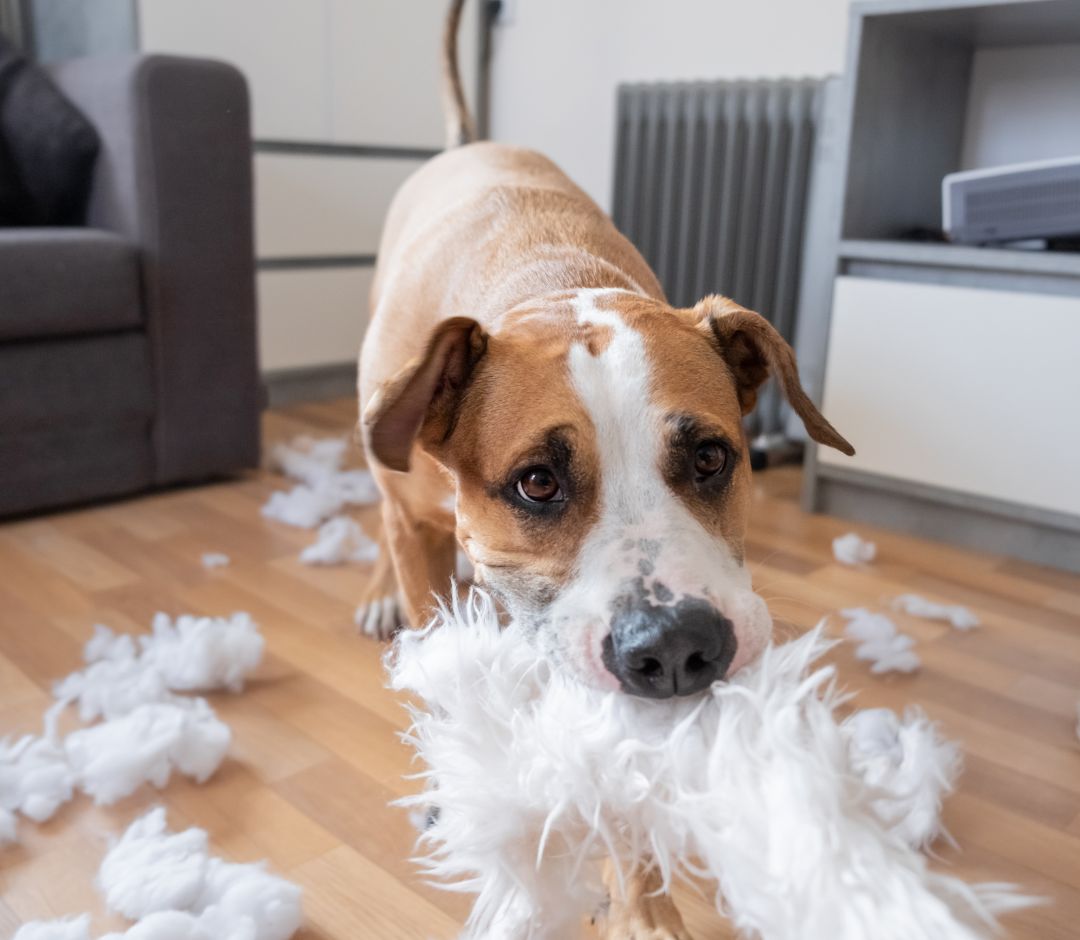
(603, 480)
(667, 543)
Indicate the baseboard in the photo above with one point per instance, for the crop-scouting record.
(311, 383)
(1033, 535)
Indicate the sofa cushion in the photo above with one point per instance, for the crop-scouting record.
(50, 467)
(57, 281)
(76, 417)
(75, 381)
(49, 147)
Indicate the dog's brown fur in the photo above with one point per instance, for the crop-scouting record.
(465, 363)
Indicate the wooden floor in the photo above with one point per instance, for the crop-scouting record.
(316, 760)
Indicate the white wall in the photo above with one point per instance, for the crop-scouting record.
(1023, 105)
(556, 64)
(328, 72)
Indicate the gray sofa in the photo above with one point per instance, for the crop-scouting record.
(128, 347)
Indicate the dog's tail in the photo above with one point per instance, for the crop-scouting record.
(459, 123)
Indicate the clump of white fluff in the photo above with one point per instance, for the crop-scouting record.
(175, 890)
(198, 654)
(70, 928)
(340, 540)
(908, 764)
(111, 760)
(537, 778)
(961, 618)
(879, 642)
(148, 732)
(35, 780)
(323, 488)
(853, 549)
(190, 654)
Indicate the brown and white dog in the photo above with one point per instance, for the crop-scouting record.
(527, 393)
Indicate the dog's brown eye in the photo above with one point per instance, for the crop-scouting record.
(709, 459)
(538, 485)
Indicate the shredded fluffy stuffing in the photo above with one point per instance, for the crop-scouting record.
(960, 617)
(204, 653)
(852, 549)
(70, 928)
(537, 778)
(879, 642)
(909, 764)
(323, 490)
(171, 886)
(309, 459)
(147, 731)
(340, 540)
(35, 780)
(215, 560)
(113, 759)
(190, 654)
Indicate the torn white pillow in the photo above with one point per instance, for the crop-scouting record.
(909, 765)
(340, 540)
(113, 759)
(212, 560)
(538, 778)
(879, 642)
(851, 549)
(960, 617)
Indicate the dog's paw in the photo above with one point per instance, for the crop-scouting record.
(380, 618)
(638, 929)
(650, 918)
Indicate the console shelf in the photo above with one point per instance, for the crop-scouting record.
(934, 353)
(933, 255)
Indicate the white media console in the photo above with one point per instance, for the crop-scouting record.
(954, 370)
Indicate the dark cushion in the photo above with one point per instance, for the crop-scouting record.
(47, 148)
(51, 467)
(75, 382)
(56, 281)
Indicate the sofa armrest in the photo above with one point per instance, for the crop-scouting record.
(174, 176)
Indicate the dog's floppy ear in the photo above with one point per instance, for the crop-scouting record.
(753, 350)
(422, 399)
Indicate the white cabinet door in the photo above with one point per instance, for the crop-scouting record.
(312, 318)
(347, 71)
(317, 205)
(386, 57)
(280, 45)
(977, 391)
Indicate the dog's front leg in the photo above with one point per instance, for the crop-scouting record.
(638, 908)
(424, 554)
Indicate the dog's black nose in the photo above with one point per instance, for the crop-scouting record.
(657, 652)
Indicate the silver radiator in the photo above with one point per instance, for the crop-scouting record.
(711, 185)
